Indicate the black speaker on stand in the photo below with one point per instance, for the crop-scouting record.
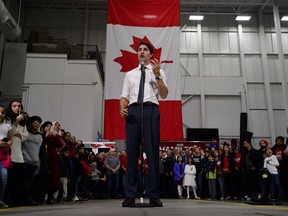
(243, 128)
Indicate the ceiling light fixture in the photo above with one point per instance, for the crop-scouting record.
(243, 18)
(196, 17)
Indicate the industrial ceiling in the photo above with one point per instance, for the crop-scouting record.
(186, 6)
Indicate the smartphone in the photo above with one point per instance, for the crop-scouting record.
(52, 129)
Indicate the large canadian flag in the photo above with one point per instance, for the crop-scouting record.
(128, 23)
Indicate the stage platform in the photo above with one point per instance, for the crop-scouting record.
(172, 207)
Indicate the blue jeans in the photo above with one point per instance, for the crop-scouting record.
(3, 180)
(275, 181)
(222, 186)
(77, 181)
(212, 188)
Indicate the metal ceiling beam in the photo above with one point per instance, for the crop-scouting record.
(216, 7)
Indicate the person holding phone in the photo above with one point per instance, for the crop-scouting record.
(54, 145)
(15, 185)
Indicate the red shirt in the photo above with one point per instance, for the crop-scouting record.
(123, 162)
(226, 165)
(237, 160)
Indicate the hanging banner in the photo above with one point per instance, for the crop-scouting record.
(128, 23)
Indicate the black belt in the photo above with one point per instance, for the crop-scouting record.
(148, 103)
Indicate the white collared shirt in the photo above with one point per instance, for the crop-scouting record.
(131, 85)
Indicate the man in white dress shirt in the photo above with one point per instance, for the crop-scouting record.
(131, 109)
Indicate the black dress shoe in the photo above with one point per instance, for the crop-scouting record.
(30, 202)
(128, 202)
(156, 202)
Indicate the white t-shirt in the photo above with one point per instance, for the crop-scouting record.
(4, 129)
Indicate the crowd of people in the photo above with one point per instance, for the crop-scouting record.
(227, 172)
(42, 163)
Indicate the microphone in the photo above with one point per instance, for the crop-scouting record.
(142, 67)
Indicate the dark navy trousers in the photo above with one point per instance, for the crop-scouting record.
(151, 135)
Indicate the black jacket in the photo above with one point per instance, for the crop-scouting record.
(255, 158)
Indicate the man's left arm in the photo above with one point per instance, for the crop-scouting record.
(162, 88)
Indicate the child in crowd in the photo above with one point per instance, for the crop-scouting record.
(179, 167)
(189, 178)
(271, 163)
(5, 159)
(94, 180)
(66, 168)
(211, 176)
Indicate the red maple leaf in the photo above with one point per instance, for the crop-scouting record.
(129, 60)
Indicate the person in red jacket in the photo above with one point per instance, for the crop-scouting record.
(53, 142)
(227, 163)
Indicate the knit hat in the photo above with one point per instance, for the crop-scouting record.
(264, 141)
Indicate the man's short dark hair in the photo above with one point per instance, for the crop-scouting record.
(148, 45)
(281, 138)
(248, 141)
